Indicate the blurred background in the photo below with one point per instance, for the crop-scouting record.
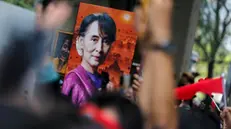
(211, 52)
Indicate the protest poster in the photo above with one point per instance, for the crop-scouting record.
(119, 58)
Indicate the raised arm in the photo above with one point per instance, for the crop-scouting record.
(156, 93)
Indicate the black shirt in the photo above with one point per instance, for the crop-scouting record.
(197, 119)
(14, 118)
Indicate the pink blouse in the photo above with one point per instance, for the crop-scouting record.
(78, 84)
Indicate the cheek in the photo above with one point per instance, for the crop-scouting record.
(88, 45)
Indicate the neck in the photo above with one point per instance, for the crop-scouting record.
(87, 67)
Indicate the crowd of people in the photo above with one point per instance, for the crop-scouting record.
(31, 97)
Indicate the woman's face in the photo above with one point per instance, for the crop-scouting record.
(95, 45)
(65, 50)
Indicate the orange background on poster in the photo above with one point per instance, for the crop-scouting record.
(120, 57)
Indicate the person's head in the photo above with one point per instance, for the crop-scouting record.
(52, 13)
(114, 108)
(186, 78)
(95, 37)
(65, 49)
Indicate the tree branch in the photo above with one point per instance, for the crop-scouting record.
(217, 22)
(226, 21)
(226, 9)
(203, 48)
(210, 5)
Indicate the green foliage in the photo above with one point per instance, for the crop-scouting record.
(28, 4)
(211, 34)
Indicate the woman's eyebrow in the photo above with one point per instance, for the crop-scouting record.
(95, 36)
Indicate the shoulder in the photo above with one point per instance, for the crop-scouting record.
(75, 75)
(71, 76)
(76, 72)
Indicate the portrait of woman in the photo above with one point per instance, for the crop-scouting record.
(96, 34)
(62, 50)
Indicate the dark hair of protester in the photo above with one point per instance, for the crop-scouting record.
(49, 94)
(188, 78)
(45, 3)
(19, 55)
(129, 114)
(106, 24)
(200, 115)
(69, 121)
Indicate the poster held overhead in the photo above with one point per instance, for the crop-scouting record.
(104, 40)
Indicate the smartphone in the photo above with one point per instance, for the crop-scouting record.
(141, 68)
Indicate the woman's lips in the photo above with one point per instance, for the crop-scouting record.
(96, 57)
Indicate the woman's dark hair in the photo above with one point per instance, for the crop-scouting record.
(106, 80)
(106, 24)
(129, 113)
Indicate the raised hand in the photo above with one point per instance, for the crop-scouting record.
(226, 117)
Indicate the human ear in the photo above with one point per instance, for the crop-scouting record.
(79, 45)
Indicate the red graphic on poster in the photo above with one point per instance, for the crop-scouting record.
(120, 57)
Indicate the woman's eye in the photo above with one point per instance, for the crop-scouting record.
(94, 39)
(106, 41)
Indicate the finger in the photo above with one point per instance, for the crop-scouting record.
(138, 69)
(135, 88)
(222, 115)
(136, 76)
(139, 78)
(137, 83)
(228, 109)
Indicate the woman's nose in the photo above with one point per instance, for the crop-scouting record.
(99, 46)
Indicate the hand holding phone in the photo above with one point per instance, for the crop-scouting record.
(138, 80)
